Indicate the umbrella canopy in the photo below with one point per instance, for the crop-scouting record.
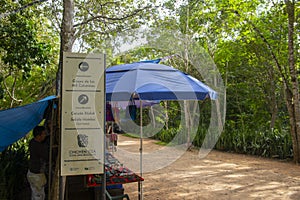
(151, 81)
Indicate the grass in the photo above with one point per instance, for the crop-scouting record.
(130, 135)
(161, 143)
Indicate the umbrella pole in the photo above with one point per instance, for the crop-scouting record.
(141, 151)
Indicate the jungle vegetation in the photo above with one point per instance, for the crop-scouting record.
(254, 45)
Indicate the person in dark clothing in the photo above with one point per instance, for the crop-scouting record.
(39, 156)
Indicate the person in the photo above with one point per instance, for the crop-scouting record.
(111, 137)
(39, 156)
(116, 114)
(109, 113)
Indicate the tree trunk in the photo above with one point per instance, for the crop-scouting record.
(290, 107)
(294, 104)
(272, 97)
(166, 115)
(195, 114)
(66, 37)
(187, 122)
(66, 43)
(152, 117)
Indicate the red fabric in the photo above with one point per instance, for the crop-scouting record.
(113, 137)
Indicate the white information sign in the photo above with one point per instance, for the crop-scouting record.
(82, 114)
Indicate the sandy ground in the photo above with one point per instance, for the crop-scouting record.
(219, 175)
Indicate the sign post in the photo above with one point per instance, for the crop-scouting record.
(82, 114)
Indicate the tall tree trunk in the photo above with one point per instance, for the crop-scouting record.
(166, 115)
(66, 36)
(153, 117)
(195, 114)
(272, 97)
(290, 107)
(187, 121)
(66, 43)
(294, 104)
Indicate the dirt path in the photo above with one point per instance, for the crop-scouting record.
(218, 176)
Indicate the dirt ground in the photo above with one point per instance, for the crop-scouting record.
(219, 175)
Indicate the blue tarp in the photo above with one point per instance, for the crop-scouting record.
(15, 123)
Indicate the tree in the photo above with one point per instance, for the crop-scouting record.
(272, 36)
(288, 72)
(24, 53)
(248, 41)
(27, 60)
(291, 81)
(89, 24)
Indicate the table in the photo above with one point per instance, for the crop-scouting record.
(115, 173)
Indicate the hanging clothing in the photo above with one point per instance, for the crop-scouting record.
(109, 113)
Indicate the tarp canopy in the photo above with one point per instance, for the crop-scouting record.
(152, 81)
(15, 123)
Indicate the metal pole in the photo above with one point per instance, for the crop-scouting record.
(103, 181)
(141, 150)
(103, 188)
(50, 152)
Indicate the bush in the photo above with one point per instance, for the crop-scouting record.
(267, 143)
(13, 169)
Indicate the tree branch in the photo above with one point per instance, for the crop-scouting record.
(111, 18)
(11, 94)
(256, 29)
(21, 8)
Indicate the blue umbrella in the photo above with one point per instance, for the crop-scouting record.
(148, 80)
(152, 81)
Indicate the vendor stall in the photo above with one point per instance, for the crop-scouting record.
(148, 80)
(116, 174)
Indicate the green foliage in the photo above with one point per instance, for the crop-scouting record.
(36, 86)
(167, 135)
(28, 59)
(161, 143)
(20, 44)
(243, 38)
(268, 143)
(13, 169)
(28, 55)
(204, 121)
(130, 135)
(137, 54)
(172, 125)
(98, 23)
